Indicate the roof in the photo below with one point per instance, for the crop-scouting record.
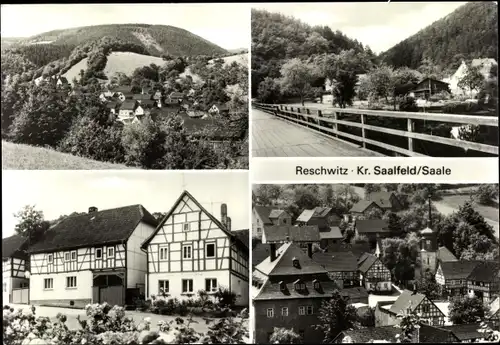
(495, 307)
(445, 255)
(319, 212)
(487, 271)
(458, 269)
(283, 264)
(243, 235)
(13, 245)
(434, 80)
(264, 212)
(383, 199)
(123, 89)
(337, 261)
(111, 105)
(334, 233)
(358, 249)
(366, 261)
(362, 205)
(259, 253)
(426, 231)
(275, 214)
(407, 300)
(176, 95)
(91, 229)
(149, 102)
(285, 233)
(128, 104)
(212, 218)
(465, 331)
(141, 97)
(371, 225)
(271, 290)
(305, 216)
(364, 335)
(63, 79)
(436, 335)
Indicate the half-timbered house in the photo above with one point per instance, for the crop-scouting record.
(373, 273)
(92, 258)
(264, 215)
(484, 281)
(15, 263)
(341, 266)
(191, 250)
(452, 276)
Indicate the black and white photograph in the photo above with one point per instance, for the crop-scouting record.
(129, 258)
(371, 263)
(402, 79)
(125, 86)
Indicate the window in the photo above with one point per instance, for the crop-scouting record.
(70, 282)
(67, 257)
(317, 285)
(302, 310)
(111, 252)
(98, 253)
(186, 252)
(187, 285)
(186, 226)
(385, 286)
(259, 230)
(73, 255)
(270, 312)
(210, 285)
(284, 221)
(163, 253)
(428, 262)
(301, 334)
(210, 250)
(50, 258)
(425, 308)
(284, 311)
(309, 310)
(48, 283)
(163, 286)
(428, 243)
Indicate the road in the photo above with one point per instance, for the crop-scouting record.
(275, 137)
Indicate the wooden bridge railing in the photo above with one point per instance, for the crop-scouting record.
(315, 119)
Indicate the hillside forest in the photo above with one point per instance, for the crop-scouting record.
(72, 118)
(464, 232)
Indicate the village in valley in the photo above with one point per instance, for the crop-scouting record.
(375, 263)
(187, 261)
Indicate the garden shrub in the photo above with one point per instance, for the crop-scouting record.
(225, 298)
(461, 108)
(408, 104)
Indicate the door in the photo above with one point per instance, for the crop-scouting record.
(20, 296)
(113, 295)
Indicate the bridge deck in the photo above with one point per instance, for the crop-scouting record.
(275, 137)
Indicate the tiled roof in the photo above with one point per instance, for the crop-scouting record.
(334, 234)
(495, 307)
(354, 293)
(487, 271)
(435, 335)
(366, 261)
(444, 254)
(128, 105)
(305, 216)
(364, 335)
(272, 289)
(98, 228)
(407, 300)
(362, 205)
(337, 261)
(458, 269)
(383, 199)
(178, 95)
(148, 102)
(465, 332)
(264, 212)
(13, 245)
(275, 213)
(317, 212)
(141, 97)
(259, 253)
(282, 233)
(123, 89)
(358, 249)
(371, 226)
(283, 264)
(111, 105)
(243, 236)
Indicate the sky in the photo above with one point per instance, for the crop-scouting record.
(379, 25)
(227, 25)
(59, 193)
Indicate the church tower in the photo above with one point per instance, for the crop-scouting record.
(428, 247)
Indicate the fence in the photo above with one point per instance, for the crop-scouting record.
(327, 121)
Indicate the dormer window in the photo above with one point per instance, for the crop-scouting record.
(317, 285)
(296, 263)
(282, 286)
(299, 285)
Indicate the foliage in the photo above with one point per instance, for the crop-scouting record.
(297, 77)
(380, 82)
(367, 317)
(284, 336)
(225, 298)
(408, 104)
(466, 33)
(371, 188)
(464, 309)
(472, 79)
(400, 257)
(227, 331)
(409, 324)
(269, 91)
(428, 286)
(335, 316)
(31, 223)
(487, 194)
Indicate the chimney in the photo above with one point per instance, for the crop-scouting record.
(272, 247)
(228, 225)
(92, 209)
(310, 250)
(223, 213)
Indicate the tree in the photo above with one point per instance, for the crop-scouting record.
(428, 286)
(394, 224)
(370, 188)
(297, 77)
(335, 316)
(409, 324)
(472, 80)
(367, 317)
(269, 91)
(269, 194)
(487, 194)
(464, 309)
(284, 336)
(400, 257)
(31, 223)
(381, 82)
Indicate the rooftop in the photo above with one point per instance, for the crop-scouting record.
(285, 233)
(337, 261)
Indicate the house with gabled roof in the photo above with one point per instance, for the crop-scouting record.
(388, 201)
(127, 110)
(141, 97)
(174, 98)
(363, 207)
(408, 302)
(192, 250)
(484, 281)
(15, 263)
(373, 229)
(218, 109)
(374, 275)
(342, 267)
(266, 215)
(327, 221)
(123, 93)
(91, 258)
(452, 276)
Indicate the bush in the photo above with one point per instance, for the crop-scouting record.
(225, 298)
(408, 104)
(487, 193)
(461, 108)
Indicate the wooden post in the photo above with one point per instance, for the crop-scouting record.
(363, 129)
(320, 114)
(410, 140)
(335, 125)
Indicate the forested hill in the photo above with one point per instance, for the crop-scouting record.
(156, 40)
(276, 37)
(471, 31)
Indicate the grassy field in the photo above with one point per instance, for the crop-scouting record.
(25, 157)
(456, 201)
(117, 62)
(242, 59)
